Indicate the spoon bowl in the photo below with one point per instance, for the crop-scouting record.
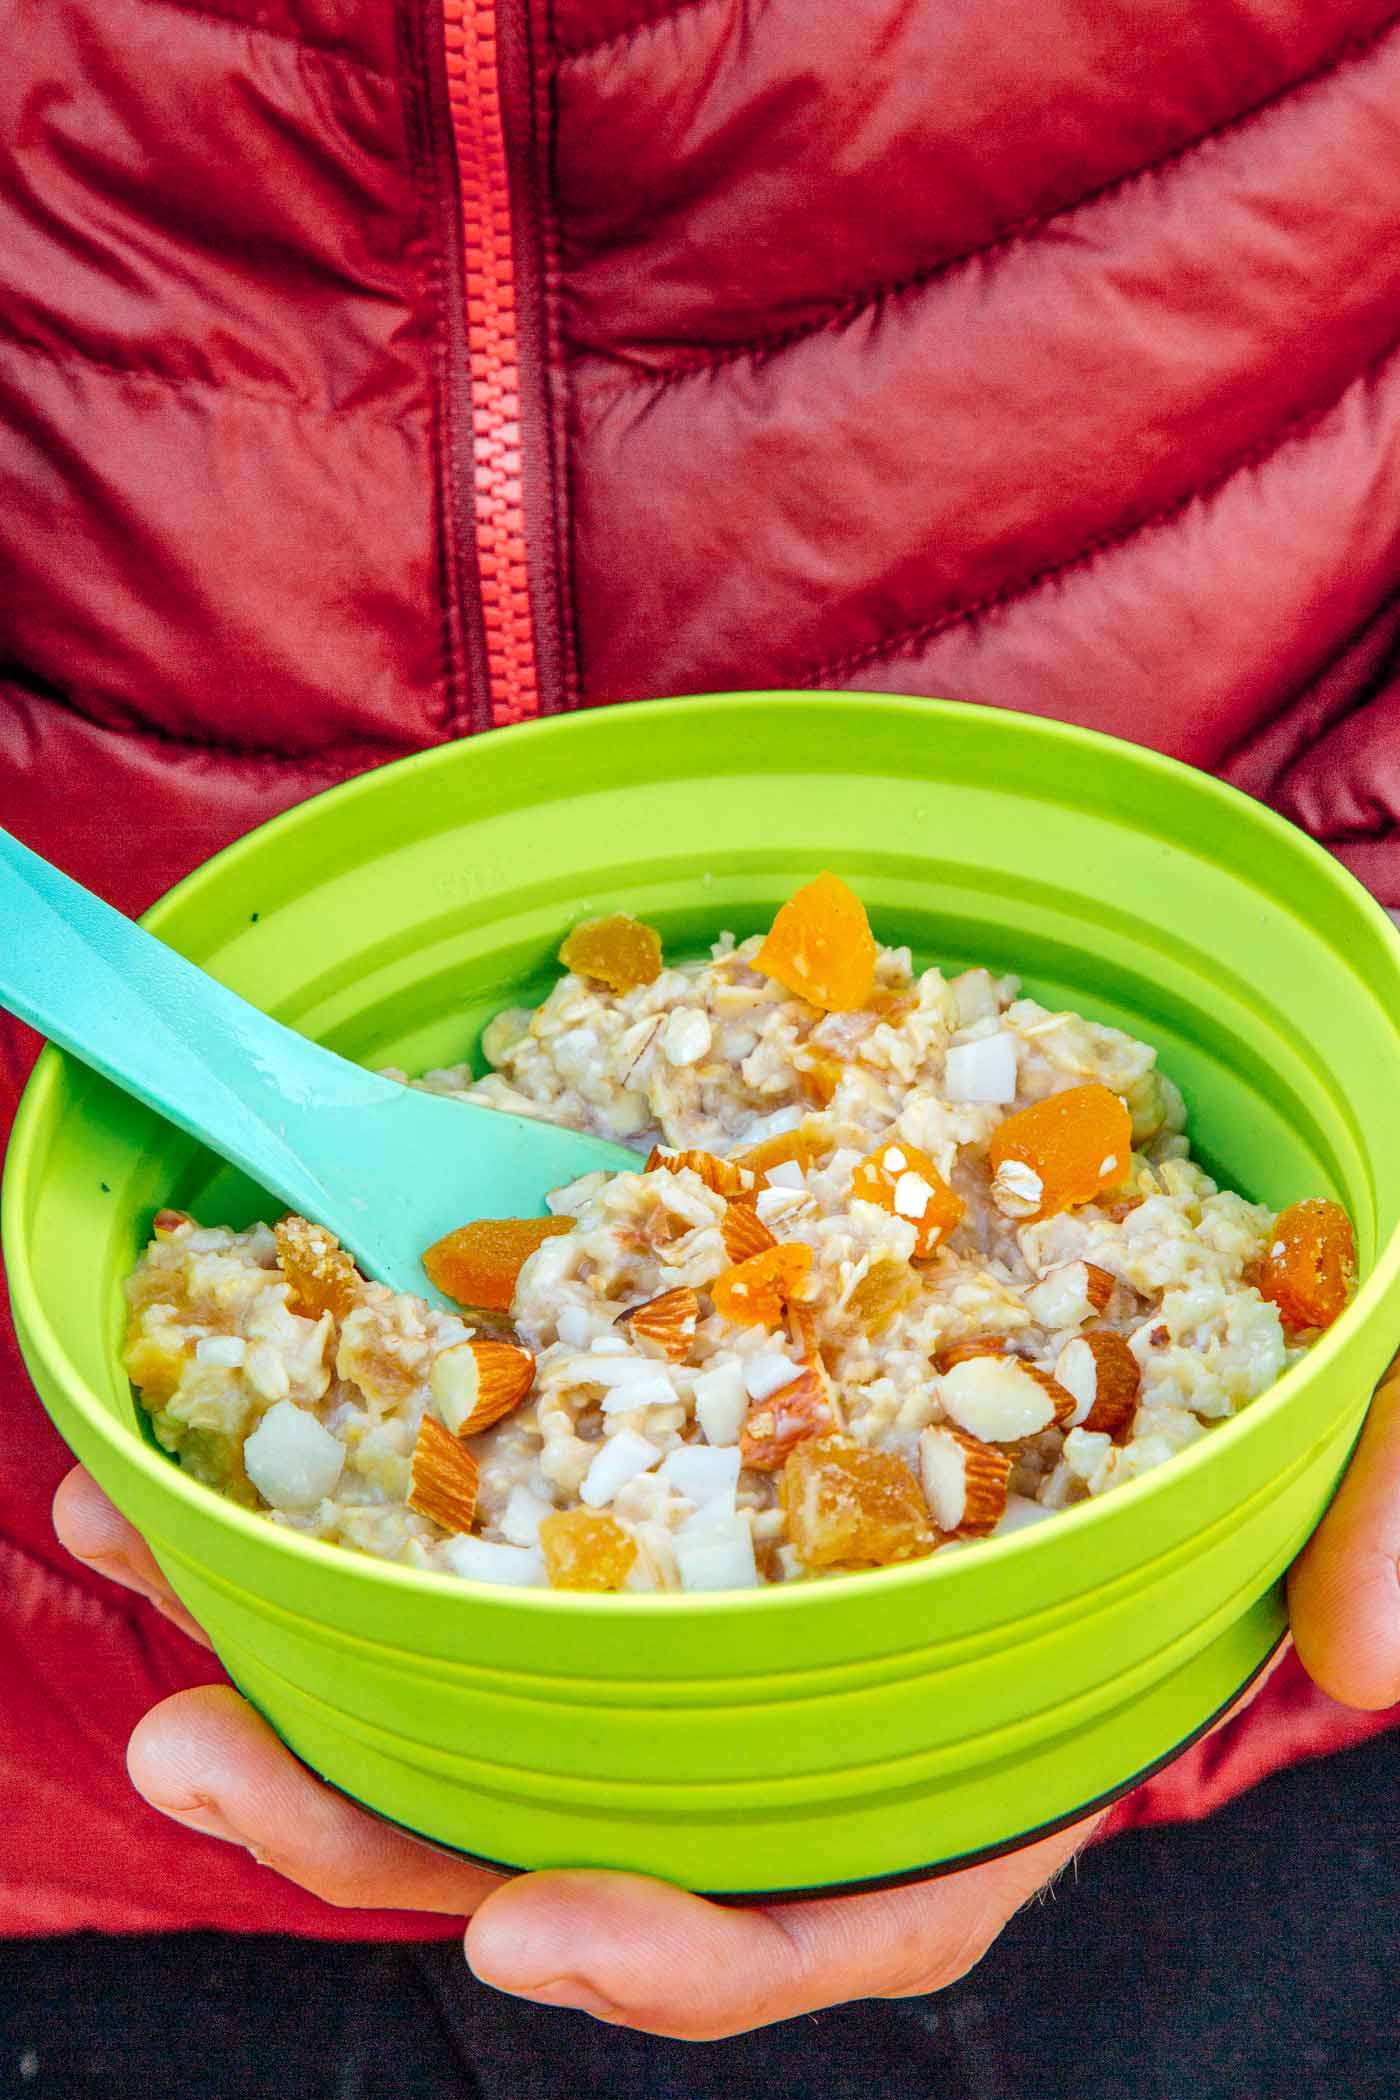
(387, 1168)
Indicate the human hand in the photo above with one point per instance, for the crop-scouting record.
(635, 1952)
(1344, 1587)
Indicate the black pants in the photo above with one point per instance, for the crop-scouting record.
(1254, 1957)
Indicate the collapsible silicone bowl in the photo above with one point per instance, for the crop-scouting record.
(824, 1734)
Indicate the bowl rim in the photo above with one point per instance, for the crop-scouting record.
(164, 1475)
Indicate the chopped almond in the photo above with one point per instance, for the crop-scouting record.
(744, 1232)
(1104, 1377)
(443, 1478)
(776, 1426)
(477, 1383)
(1002, 1399)
(965, 1480)
(1069, 1295)
(668, 1321)
(975, 1345)
(723, 1177)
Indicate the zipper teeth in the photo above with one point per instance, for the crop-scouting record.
(483, 181)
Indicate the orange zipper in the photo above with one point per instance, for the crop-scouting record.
(493, 356)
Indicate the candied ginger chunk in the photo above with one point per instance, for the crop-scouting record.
(846, 1504)
(1309, 1271)
(1060, 1152)
(906, 1183)
(619, 952)
(820, 947)
(480, 1263)
(586, 1549)
(322, 1276)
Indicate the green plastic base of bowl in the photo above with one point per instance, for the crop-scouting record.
(929, 1870)
(820, 1734)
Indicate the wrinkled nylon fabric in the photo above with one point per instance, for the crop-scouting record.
(1041, 356)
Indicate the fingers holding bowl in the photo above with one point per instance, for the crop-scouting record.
(205, 1759)
(646, 1955)
(96, 1533)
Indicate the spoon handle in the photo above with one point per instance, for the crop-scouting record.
(116, 997)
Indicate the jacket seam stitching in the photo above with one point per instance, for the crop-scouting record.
(1298, 697)
(325, 757)
(1292, 429)
(432, 280)
(851, 307)
(632, 32)
(235, 25)
(296, 404)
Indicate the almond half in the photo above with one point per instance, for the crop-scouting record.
(1001, 1399)
(1104, 1377)
(474, 1384)
(443, 1478)
(965, 1480)
(669, 1321)
(976, 1345)
(721, 1176)
(776, 1426)
(744, 1232)
(1069, 1295)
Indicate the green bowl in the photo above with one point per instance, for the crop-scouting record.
(821, 1735)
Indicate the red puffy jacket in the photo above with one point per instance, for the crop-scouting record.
(372, 371)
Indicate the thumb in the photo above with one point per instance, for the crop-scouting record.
(1344, 1588)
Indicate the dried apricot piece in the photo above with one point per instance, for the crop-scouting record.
(322, 1276)
(819, 1074)
(1060, 1152)
(846, 1504)
(755, 1292)
(787, 1148)
(586, 1549)
(905, 1182)
(820, 946)
(776, 1426)
(619, 952)
(1309, 1271)
(479, 1264)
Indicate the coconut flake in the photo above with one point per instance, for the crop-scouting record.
(620, 1458)
(291, 1459)
(982, 1070)
(721, 1402)
(716, 1555)
(482, 1560)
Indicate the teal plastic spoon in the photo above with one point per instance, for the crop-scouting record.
(384, 1167)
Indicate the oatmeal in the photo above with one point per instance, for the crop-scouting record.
(907, 1261)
